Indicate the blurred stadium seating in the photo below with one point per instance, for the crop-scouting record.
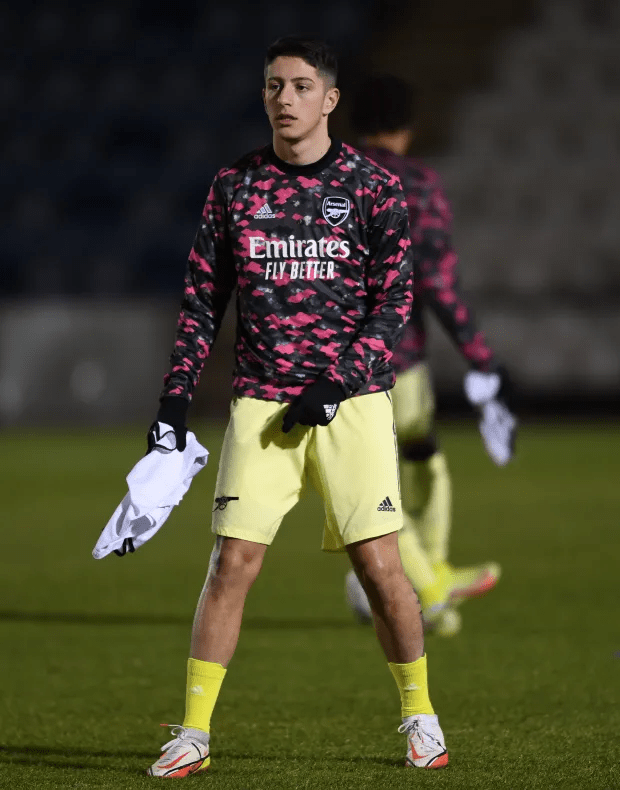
(534, 177)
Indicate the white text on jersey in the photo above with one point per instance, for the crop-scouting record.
(308, 270)
(297, 248)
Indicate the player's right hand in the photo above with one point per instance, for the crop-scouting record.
(171, 415)
(158, 430)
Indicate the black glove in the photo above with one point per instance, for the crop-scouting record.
(172, 412)
(317, 405)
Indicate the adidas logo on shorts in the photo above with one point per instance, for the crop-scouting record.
(387, 506)
(264, 212)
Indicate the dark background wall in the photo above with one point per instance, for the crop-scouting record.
(116, 116)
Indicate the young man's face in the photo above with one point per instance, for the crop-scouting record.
(297, 98)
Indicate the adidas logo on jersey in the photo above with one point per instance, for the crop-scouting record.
(264, 212)
(387, 506)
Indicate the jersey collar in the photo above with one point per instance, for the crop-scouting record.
(306, 170)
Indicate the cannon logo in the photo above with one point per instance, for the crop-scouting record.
(336, 209)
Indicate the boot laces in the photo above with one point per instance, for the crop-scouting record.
(410, 727)
(413, 728)
(178, 732)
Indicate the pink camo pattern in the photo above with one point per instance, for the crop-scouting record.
(340, 316)
(436, 280)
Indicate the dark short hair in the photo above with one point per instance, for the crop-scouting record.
(383, 103)
(314, 51)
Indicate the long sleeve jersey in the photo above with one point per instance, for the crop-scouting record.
(320, 257)
(436, 279)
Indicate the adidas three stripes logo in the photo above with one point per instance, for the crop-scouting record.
(387, 505)
(264, 212)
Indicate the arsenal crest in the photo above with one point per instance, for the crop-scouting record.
(336, 209)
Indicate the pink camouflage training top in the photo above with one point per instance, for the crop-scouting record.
(320, 256)
(436, 280)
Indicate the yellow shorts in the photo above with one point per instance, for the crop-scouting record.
(414, 404)
(352, 462)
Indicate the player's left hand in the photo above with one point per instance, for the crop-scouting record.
(317, 405)
(490, 393)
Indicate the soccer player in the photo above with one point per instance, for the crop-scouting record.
(382, 114)
(314, 239)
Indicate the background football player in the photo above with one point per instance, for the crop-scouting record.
(382, 114)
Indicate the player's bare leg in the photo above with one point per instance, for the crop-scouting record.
(395, 606)
(398, 623)
(233, 569)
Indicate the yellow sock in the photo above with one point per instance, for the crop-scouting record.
(443, 571)
(413, 687)
(434, 595)
(204, 680)
(434, 523)
(416, 564)
(439, 591)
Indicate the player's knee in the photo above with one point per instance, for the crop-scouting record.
(419, 449)
(380, 576)
(237, 562)
(385, 590)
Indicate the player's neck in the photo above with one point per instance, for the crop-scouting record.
(302, 152)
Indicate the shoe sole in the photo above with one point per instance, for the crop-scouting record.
(440, 761)
(187, 770)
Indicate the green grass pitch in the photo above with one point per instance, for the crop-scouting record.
(94, 651)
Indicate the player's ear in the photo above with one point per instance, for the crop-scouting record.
(264, 100)
(331, 100)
